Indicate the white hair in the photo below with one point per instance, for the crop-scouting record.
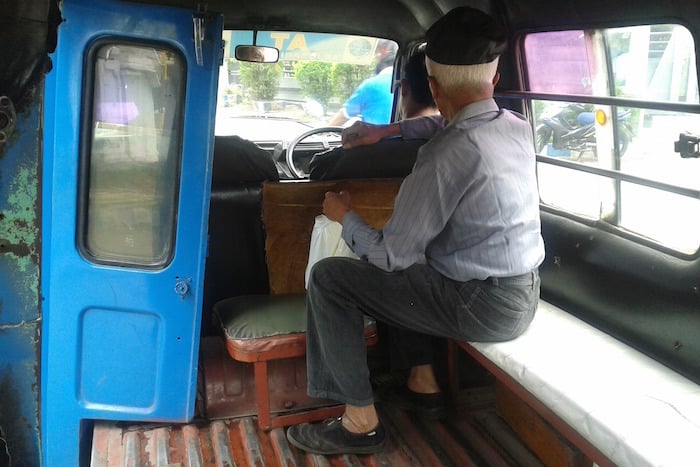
(454, 79)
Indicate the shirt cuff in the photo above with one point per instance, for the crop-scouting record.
(357, 234)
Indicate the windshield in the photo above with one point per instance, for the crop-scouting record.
(320, 80)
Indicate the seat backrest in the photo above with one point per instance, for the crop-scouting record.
(389, 158)
(239, 160)
(289, 211)
(236, 260)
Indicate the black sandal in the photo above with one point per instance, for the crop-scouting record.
(331, 437)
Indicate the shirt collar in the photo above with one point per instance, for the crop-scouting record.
(474, 109)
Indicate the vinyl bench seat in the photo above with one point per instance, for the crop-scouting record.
(617, 405)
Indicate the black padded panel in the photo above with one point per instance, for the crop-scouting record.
(239, 160)
(641, 296)
(390, 158)
(236, 256)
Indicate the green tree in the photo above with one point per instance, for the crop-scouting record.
(261, 80)
(314, 79)
(345, 78)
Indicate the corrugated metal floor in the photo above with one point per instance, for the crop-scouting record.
(473, 435)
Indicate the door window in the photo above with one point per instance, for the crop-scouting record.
(130, 204)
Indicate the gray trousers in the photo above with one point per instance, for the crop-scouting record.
(418, 300)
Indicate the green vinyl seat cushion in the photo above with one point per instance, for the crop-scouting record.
(265, 327)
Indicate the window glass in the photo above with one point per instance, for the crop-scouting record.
(671, 219)
(588, 197)
(133, 163)
(655, 63)
(558, 62)
(644, 63)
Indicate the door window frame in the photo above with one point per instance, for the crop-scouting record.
(87, 134)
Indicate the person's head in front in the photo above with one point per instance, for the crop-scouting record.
(415, 98)
(458, 258)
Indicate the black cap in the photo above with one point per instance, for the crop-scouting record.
(465, 36)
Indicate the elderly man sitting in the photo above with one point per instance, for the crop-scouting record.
(458, 258)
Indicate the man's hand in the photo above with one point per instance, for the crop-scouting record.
(336, 205)
(362, 133)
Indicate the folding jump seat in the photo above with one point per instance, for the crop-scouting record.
(263, 329)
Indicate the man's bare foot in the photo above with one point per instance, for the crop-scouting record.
(422, 380)
(360, 419)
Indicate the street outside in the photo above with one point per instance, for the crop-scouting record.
(671, 219)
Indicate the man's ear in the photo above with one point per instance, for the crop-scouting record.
(495, 79)
(434, 87)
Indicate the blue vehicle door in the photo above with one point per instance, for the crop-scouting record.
(129, 118)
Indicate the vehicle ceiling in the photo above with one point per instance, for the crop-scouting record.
(407, 20)
(30, 25)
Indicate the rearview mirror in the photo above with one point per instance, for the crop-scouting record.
(257, 53)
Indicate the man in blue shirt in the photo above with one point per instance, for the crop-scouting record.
(372, 101)
(458, 258)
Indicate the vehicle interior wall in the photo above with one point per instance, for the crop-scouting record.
(644, 297)
(28, 27)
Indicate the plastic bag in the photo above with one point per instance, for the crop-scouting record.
(326, 241)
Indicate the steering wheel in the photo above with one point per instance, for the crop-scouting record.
(298, 173)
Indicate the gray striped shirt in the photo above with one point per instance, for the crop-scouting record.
(470, 207)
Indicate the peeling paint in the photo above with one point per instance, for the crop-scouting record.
(18, 220)
(21, 324)
(17, 250)
(19, 227)
(20, 314)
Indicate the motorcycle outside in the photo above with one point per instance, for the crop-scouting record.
(571, 132)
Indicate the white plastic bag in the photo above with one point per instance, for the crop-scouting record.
(326, 241)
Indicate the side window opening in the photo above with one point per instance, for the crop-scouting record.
(610, 106)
